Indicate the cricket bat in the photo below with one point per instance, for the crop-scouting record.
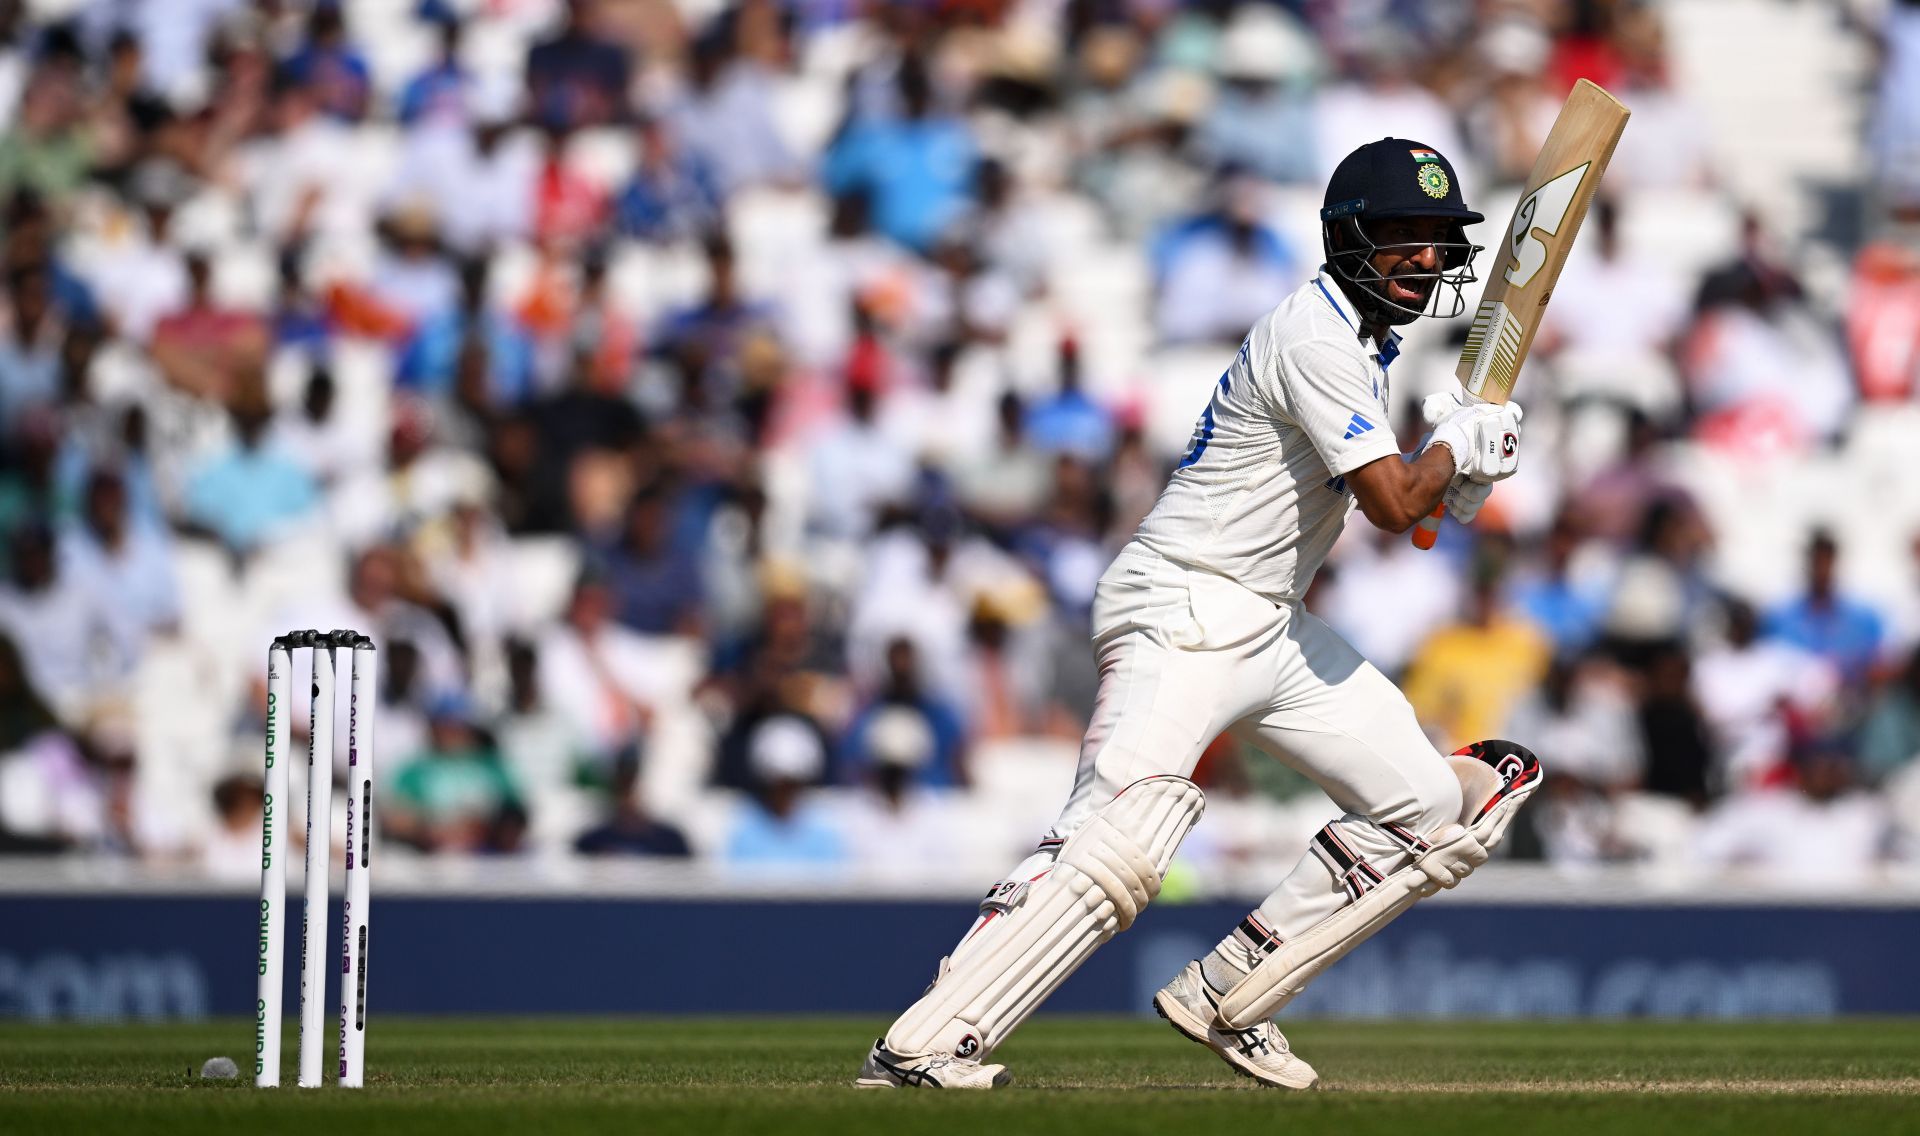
(1528, 262)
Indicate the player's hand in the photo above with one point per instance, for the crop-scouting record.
(1483, 437)
(1464, 497)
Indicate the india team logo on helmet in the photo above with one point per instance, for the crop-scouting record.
(1433, 180)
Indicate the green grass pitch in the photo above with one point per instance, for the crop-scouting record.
(1072, 1076)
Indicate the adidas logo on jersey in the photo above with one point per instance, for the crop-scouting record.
(1357, 427)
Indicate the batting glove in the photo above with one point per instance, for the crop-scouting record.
(1483, 437)
(1464, 497)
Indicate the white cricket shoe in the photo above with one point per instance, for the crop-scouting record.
(885, 1069)
(1259, 1052)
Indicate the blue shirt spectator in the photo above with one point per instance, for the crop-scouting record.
(655, 580)
(1569, 611)
(672, 194)
(943, 764)
(579, 77)
(440, 92)
(332, 70)
(1842, 631)
(431, 359)
(779, 828)
(1069, 421)
(916, 170)
(244, 496)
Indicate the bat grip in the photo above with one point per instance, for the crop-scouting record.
(1428, 530)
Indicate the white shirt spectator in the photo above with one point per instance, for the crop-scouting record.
(137, 280)
(1788, 838)
(1595, 737)
(853, 469)
(1350, 115)
(133, 583)
(479, 199)
(67, 639)
(730, 127)
(1744, 693)
(1387, 597)
(596, 685)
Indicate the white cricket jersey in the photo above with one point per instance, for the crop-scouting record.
(1261, 494)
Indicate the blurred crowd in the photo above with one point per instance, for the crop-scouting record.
(720, 413)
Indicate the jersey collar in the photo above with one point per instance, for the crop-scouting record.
(1387, 352)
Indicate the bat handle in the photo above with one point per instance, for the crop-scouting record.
(1428, 530)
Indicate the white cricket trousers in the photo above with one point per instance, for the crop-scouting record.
(1185, 655)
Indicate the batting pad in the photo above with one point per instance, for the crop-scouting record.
(1106, 874)
(1455, 850)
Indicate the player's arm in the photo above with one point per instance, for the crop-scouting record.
(1395, 493)
(1473, 445)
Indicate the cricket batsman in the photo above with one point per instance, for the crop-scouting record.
(1199, 629)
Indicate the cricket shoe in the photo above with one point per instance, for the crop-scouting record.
(1260, 1052)
(886, 1069)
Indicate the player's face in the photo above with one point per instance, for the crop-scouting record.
(1407, 259)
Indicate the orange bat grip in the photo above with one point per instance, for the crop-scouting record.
(1428, 530)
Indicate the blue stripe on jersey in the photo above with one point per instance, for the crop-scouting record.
(1204, 434)
(1337, 309)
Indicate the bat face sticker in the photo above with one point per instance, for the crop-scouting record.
(1544, 209)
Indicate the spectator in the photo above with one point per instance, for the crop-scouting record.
(1386, 597)
(30, 342)
(440, 94)
(318, 438)
(855, 469)
(724, 116)
(570, 206)
(603, 677)
(430, 359)
(328, 65)
(1583, 714)
(941, 762)
(1566, 604)
(915, 168)
(1757, 694)
(142, 276)
(1262, 119)
(57, 619)
(1894, 133)
(1009, 480)
(447, 796)
(1616, 320)
(1890, 737)
(478, 182)
(580, 76)
(253, 492)
(231, 853)
(1070, 422)
(1217, 273)
(653, 575)
(1819, 830)
(1673, 730)
(414, 280)
(125, 563)
(628, 830)
(546, 754)
(207, 349)
(780, 828)
(1466, 679)
(672, 195)
(898, 828)
(1844, 631)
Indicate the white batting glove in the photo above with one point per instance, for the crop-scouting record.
(1464, 497)
(1484, 438)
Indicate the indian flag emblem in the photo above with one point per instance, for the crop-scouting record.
(1424, 155)
(1433, 181)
